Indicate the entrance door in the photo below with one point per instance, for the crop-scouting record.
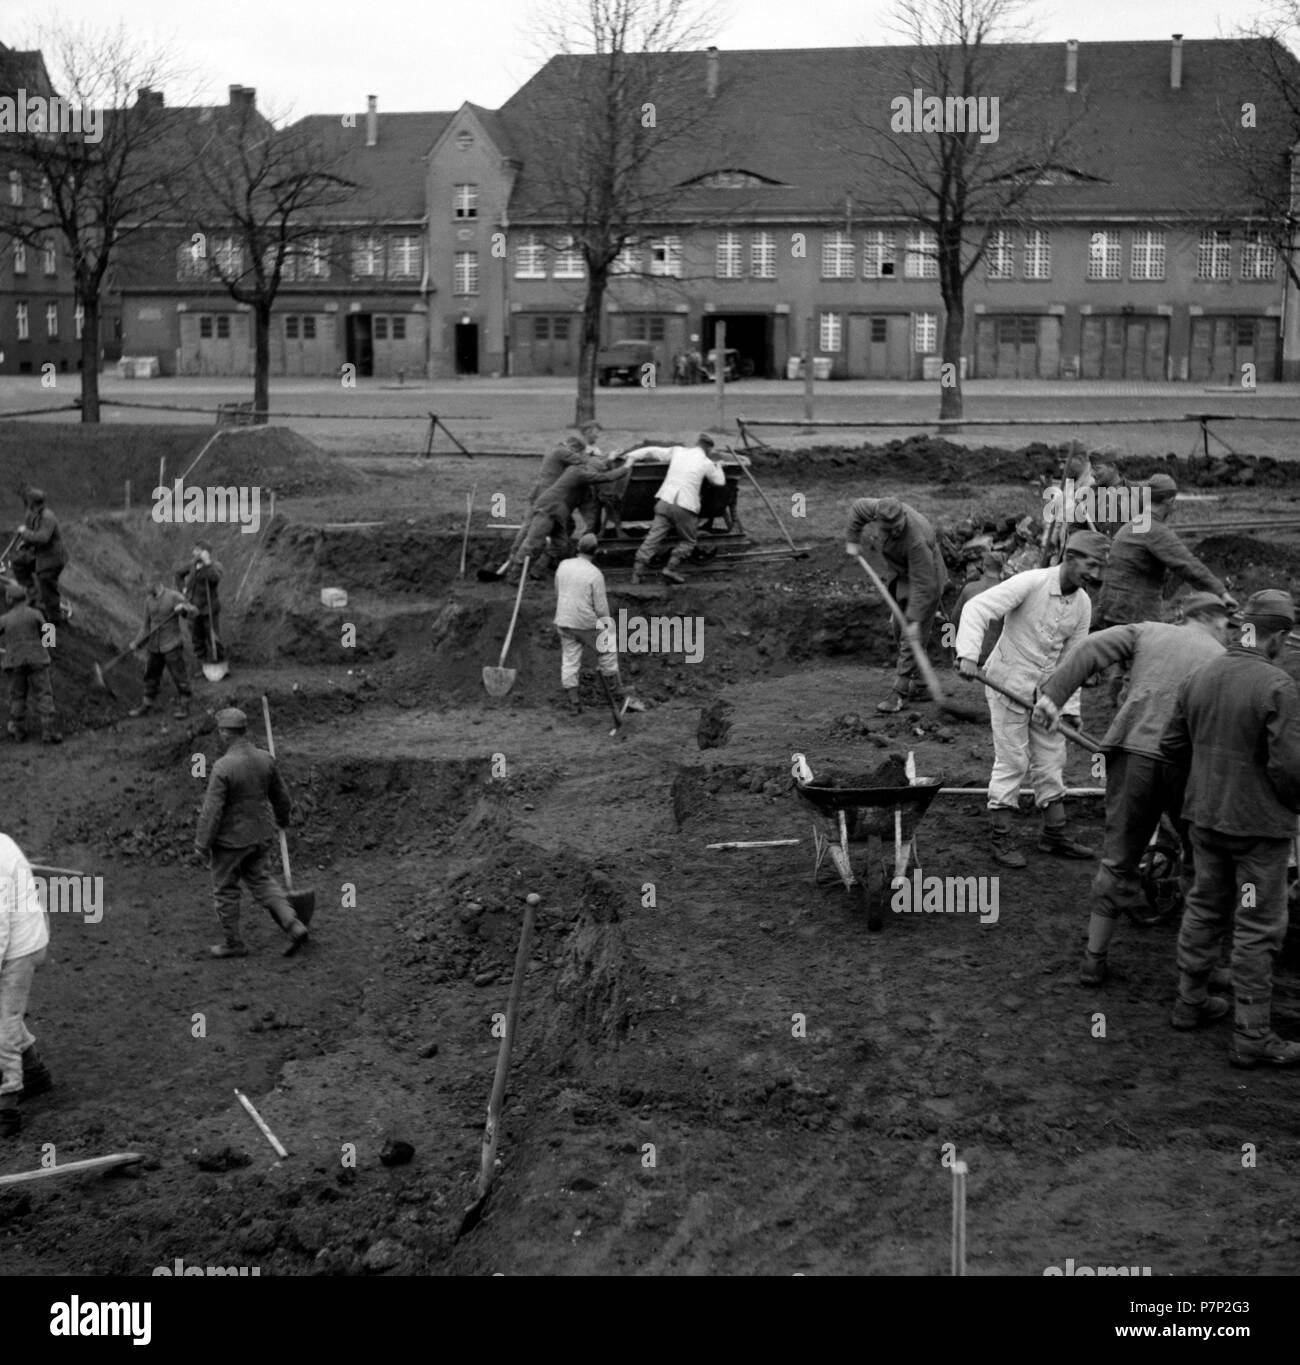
(466, 345)
(360, 344)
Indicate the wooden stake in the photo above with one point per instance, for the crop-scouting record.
(94, 1163)
(756, 843)
(809, 334)
(959, 1218)
(720, 373)
(261, 1123)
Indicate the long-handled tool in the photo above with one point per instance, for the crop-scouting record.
(492, 1130)
(1084, 741)
(613, 705)
(492, 575)
(214, 669)
(930, 677)
(303, 902)
(84, 1167)
(101, 669)
(794, 549)
(500, 680)
(4, 558)
(469, 512)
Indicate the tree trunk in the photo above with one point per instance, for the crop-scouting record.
(585, 408)
(90, 350)
(950, 398)
(261, 363)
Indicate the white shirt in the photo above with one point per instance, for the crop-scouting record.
(1039, 624)
(23, 928)
(580, 600)
(688, 467)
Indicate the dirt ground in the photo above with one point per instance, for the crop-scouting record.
(718, 1068)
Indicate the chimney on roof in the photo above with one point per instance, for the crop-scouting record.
(712, 79)
(1072, 66)
(1176, 63)
(242, 97)
(372, 120)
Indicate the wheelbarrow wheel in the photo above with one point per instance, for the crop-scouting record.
(1159, 872)
(872, 883)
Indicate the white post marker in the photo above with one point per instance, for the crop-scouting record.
(959, 1218)
(261, 1123)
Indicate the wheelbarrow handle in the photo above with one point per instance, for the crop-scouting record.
(1079, 737)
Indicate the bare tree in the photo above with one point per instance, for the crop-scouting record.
(260, 203)
(613, 129)
(992, 139)
(100, 187)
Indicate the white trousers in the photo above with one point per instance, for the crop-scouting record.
(1022, 750)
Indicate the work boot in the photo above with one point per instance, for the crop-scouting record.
(228, 950)
(673, 576)
(11, 1121)
(143, 709)
(298, 935)
(49, 735)
(1185, 1017)
(1221, 979)
(1094, 969)
(36, 1075)
(1248, 1051)
(1003, 841)
(1054, 839)
(572, 701)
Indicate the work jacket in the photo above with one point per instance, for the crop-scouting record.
(911, 550)
(568, 491)
(197, 581)
(580, 598)
(20, 633)
(553, 465)
(235, 813)
(161, 611)
(41, 538)
(1135, 573)
(1237, 722)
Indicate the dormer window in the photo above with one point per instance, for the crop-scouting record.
(464, 139)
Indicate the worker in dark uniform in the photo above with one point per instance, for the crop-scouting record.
(27, 666)
(39, 558)
(161, 637)
(199, 583)
(911, 549)
(235, 835)
(552, 515)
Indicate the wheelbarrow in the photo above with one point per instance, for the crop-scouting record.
(864, 814)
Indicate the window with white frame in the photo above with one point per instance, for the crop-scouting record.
(645, 327)
(1214, 255)
(51, 319)
(925, 333)
(15, 188)
(1038, 255)
(191, 263)
(1000, 256)
(729, 258)
(627, 262)
(1147, 255)
(404, 258)
(465, 202)
(465, 273)
(666, 256)
(878, 254)
(1258, 257)
(314, 259)
(837, 256)
(288, 267)
(762, 255)
(922, 261)
(830, 333)
(20, 258)
(530, 258)
(569, 264)
(367, 257)
(78, 320)
(1104, 256)
(21, 319)
(228, 258)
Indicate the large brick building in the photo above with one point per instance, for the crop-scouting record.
(1136, 259)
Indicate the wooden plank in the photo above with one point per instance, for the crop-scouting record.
(94, 1163)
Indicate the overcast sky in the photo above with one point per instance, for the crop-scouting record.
(326, 56)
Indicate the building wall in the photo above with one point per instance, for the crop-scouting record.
(38, 291)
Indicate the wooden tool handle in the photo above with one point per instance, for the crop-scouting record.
(1084, 741)
(519, 597)
(923, 664)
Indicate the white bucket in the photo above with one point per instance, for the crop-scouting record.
(333, 597)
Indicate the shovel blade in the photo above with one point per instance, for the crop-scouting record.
(304, 904)
(215, 672)
(488, 575)
(498, 681)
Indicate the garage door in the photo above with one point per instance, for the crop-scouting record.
(546, 343)
(1023, 346)
(307, 344)
(1119, 347)
(1221, 346)
(877, 346)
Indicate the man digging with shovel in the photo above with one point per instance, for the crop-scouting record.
(583, 620)
(166, 648)
(234, 835)
(1044, 614)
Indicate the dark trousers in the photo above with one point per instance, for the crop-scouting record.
(47, 588)
(669, 517)
(174, 663)
(203, 633)
(544, 525)
(252, 867)
(1226, 865)
(33, 679)
(1139, 789)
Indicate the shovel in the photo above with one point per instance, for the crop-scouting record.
(930, 677)
(613, 705)
(491, 575)
(214, 670)
(1079, 737)
(303, 902)
(100, 669)
(500, 680)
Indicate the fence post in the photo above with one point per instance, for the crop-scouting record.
(809, 336)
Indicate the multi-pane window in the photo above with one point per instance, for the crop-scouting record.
(837, 256)
(1214, 255)
(1104, 256)
(878, 255)
(15, 188)
(644, 327)
(922, 261)
(569, 264)
(830, 332)
(1000, 257)
(78, 320)
(1038, 255)
(205, 327)
(21, 318)
(223, 326)
(1258, 257)
(627, 262)
(530, 258)
(465, 273)
(367, 257)
(51, 319)
(762, 255)
(228, 257)
(218, 326)
(379, 328)
(666, 256)
(303, 327)
(404, 259)
(925, 333)
(465, 202)
(551, 328)
(729, 261)
(191, 263)
(1148, 254)
(399, 328)
(20, 258)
